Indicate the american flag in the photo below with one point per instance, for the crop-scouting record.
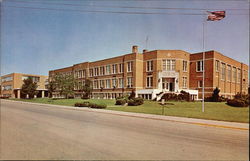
(216, 15)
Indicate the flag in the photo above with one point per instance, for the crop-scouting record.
(216, 15)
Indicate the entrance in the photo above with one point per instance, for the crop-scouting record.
(168, 84)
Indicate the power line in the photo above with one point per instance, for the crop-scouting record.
(124, 7)
(114, 12)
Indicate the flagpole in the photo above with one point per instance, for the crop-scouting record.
(203, 60)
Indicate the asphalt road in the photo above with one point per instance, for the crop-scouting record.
(41, 132)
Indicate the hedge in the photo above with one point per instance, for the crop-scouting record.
(91, 105)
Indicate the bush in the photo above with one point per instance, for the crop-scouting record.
(132, 95)
(120, 102)
(240, 100)
(236, 103)
(98, 106)
(83, 104)
(135, 102)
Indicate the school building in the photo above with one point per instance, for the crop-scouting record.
(11, 85)
(152, 73)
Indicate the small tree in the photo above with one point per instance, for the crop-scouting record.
(132, 95)
(51, 88)
(65, 83)
(29, 87)
(215, 95)
(87, 88)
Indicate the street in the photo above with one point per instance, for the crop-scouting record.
(45, 132)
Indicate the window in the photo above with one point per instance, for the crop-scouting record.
(130, 66)
(234, 74)
(149, 81)
(168, 65)
(114, 68)
(96, 84)
(229, 74)
(200, 83)
(239, 76)
(184, 66)
(121, 68)
(108, 70)
(91, 72)
(149, 66)
(199, 66)
(96, 73)
(121, 83)
(217, 65)
(129, 82)
(102, 83)
(7, 87)
(223, 71)
(102, 71)
(114, 82)
(107, 83)
(184, 82)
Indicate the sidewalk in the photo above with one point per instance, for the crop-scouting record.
(200, 122)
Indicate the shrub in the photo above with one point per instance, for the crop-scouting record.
(135, 102)
(236, 103)
(132, 95)
(120, 102)
(98, 106)
(83, 104)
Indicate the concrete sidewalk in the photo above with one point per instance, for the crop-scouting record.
(200, 122)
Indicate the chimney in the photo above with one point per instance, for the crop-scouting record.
(145, 50)
(135, 49)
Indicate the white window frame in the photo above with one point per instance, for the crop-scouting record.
(200, 65)
(150, 64)
(130, 66)
(121, 68)
(129, 82)
(184, 65)
(169, 64)
(149, 81)
(121, 83)
(217, 65)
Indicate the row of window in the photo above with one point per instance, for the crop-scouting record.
(34, 79)
(7, 87)
(112, 83)
(5, 79)
(110, 69)
(233, 73)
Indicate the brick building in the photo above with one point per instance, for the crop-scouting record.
(11, 84)
(152, 73)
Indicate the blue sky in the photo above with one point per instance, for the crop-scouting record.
(38, 40)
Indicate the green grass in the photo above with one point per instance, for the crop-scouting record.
(213, 110)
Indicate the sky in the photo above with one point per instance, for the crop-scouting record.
(42, 35)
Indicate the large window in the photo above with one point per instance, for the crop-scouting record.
(108, 70)
(96, 73)
(184, 82)
(121, 83)
(7, 79)
(217, 65)
(229, 73)
(96, 84)
(168, 65)
(102, 71)
(149, 66)
(114, 68)
(107, 83)
(114, 82)
(199, 66)
(234, 74)
(129, 82)
(102, 84)
(223, 71)
(91, 72)
(7, 87)
(239, 76)
(121, 68)
(130, 66)
(149, 81)
(184, 66)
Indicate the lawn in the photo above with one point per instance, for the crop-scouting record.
(213, 110)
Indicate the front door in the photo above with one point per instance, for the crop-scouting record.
(165, 86)
(171, 87)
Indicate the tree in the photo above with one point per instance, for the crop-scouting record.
(51, 88)
(87, 88)
(65, 83)
(132, 95)
(215, 95)
(29, 87)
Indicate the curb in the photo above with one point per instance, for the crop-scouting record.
(193, 121)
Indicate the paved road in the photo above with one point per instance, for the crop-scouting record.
(41, 132)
